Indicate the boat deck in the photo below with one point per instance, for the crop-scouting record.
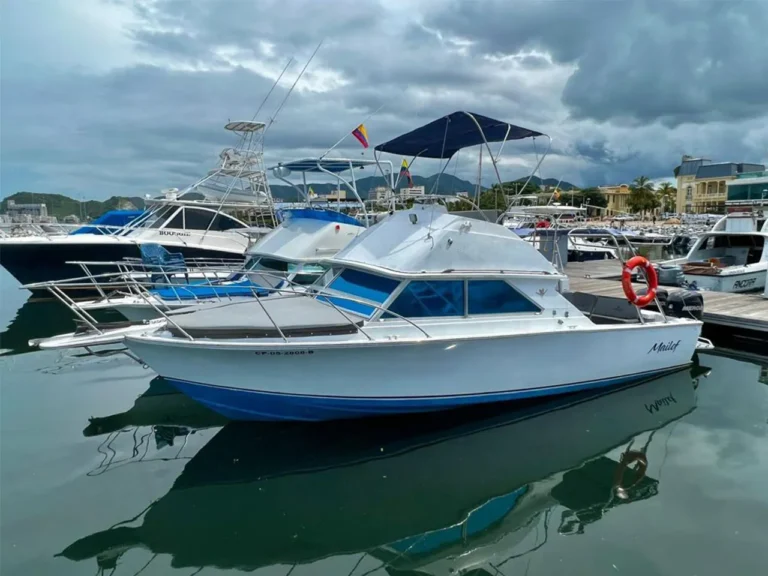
(738, 311)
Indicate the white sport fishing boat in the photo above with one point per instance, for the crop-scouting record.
(288, 254)
(196, 222)
(286, 257)
(732, 257)
(426, 292)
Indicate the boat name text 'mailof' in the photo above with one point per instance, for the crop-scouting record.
(662, 347)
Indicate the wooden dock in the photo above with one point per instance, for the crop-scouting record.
(736, 311)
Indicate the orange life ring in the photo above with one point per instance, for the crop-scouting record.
(650, 276)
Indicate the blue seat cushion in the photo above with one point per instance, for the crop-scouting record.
(202, 291)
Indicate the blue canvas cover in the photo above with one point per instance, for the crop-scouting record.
(443, 137)
(113, 218)
(206, 290)
(313, 214)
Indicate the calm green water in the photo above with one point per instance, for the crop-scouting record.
(105, 470)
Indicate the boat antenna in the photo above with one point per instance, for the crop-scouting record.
(274, 85)
(295, 82)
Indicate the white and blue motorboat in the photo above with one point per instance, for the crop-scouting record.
(287, 258)
(432, 307)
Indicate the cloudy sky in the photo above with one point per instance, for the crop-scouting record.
(105, 97)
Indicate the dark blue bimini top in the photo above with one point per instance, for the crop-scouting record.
(313, 214)
(113, 218)
(445, 136)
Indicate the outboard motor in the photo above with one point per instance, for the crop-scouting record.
(680, 303)
(684, 304)
(669, 274)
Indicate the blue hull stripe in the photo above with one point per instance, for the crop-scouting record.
(256, 405)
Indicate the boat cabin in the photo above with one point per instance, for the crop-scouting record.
(292, 250)
(425, 263)
(186, 217)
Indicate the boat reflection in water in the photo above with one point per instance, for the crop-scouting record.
(161, 412)
(438, 494)
(33, 318)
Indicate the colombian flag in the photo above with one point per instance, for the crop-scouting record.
(361, 134)
(405, 172)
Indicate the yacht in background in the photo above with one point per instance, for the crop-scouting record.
(732, 257)
(287, 257)
(210, 219)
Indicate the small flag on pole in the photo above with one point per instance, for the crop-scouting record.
(404, 172)
(312, 193)
(361, 134)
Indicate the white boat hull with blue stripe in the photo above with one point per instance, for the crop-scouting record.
(425, 311)
(325, 383)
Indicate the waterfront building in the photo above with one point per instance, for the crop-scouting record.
(702, 184)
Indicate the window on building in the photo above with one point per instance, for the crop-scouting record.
(360, 285)
(425, 299)
(497, 297)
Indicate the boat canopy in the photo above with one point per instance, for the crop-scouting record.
(427, 239)
(333, 165)
(443, 137)
(315, 214)
(113, 219)
(245, 126)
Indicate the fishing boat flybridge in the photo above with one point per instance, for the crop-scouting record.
(180, 221)
(414, 302)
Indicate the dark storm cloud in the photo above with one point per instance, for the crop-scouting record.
(673, 61)
(605, 79)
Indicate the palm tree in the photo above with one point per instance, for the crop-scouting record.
(641, 195)
(667, 194)
(642, 183)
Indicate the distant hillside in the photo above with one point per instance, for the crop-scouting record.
(448, 185)
(563, 185)
(61, 206)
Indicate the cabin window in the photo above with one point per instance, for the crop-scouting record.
(197, 219)
(159, 218)
(177, 222)
(361, 285)
(222, 223)
(425, 299)
(269, 264)
(307, 274)
(496, 297)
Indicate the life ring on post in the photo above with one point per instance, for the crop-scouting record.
(650, 276)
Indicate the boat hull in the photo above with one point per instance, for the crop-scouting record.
(35, 261)
(753, 281)
(385, 378)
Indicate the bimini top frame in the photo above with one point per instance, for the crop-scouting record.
(331, 166)
(442, 138)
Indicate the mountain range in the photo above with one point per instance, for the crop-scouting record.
(61, 206)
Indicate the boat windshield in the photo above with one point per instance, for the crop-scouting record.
(158, 218)
(271, 271)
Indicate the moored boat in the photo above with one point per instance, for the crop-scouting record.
(415, 302)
